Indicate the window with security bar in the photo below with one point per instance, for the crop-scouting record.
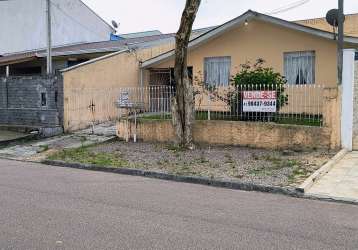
(217, 71)
(299, 67)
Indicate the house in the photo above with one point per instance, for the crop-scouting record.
(23, 25)
(31, 100)
(34, 62)
(303, 54)
(350, 24)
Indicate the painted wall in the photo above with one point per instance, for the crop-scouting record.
(99, 83)
(267, 41)
(232, 133)
(23, 24)
(350, 25)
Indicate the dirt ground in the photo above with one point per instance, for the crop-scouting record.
(259, 166)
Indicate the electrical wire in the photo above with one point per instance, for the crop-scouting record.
(288, 7)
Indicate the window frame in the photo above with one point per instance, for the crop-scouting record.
(205, 74)
(313, 55)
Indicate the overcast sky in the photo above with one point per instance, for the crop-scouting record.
(164, 15)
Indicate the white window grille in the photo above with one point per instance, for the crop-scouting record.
(217, 71)
(299, 67)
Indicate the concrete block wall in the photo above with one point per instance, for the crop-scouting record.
(20, 102)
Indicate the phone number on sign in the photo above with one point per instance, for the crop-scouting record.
(259, 105)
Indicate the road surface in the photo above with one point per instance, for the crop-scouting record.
(44, 207)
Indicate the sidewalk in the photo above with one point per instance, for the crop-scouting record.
(8, 136)
(341, 182)
(39, 149)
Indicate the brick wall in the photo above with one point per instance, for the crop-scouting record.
(21, 101)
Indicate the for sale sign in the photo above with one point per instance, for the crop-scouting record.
(259, 101)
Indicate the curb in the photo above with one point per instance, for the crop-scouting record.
(321, 172)
(291, 192)
(185, 179)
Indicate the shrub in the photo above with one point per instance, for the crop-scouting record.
(253, 78)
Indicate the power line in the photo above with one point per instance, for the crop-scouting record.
(288, 7)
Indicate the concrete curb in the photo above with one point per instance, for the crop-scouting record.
(185, 179)
(321, 172)
(201, 181)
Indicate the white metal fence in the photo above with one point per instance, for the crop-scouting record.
(292, 104)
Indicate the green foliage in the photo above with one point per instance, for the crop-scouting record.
(86, 156)
(252, 77)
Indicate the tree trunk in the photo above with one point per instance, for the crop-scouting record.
(183, 102)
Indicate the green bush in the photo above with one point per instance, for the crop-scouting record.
(253, 78)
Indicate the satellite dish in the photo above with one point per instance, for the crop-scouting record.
(332, 17)
(115, 24)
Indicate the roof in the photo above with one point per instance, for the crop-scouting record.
(141, 34)
(249, 15)
(85, 48)
(350, 24)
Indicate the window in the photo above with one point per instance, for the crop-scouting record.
(299, 67)
(217, 71)
(43, 99)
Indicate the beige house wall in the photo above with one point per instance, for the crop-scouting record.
(350, 24)
(91, 90)
(270, 42)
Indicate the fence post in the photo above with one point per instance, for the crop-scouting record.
(347, 99)
(331, 114)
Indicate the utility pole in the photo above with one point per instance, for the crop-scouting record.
(49, 37)
(340, 39)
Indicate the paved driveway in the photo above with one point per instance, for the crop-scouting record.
(341, 182)
(45, 207)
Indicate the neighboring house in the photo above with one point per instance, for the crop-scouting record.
(37, 101)
(350, 24)
(23, 24)
(34, 62)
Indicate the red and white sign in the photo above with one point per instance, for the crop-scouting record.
(259, 101)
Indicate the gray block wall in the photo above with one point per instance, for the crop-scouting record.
(21, 101)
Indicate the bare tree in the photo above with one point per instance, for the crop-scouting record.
(183, 104)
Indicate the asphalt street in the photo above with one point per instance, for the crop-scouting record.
(43, 207)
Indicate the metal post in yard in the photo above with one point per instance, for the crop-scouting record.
(7, 71)
(340, 39)
(49, 37)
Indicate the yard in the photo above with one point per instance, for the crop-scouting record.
(258, 166)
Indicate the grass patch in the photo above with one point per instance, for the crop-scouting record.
(289, 119)
(85, 156)
(275, 163)
(43, 148)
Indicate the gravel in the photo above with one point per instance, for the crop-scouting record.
(259, 166)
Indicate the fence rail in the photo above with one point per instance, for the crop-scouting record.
(292, 104)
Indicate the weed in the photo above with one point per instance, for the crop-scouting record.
(43, 148)
(85, 156)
